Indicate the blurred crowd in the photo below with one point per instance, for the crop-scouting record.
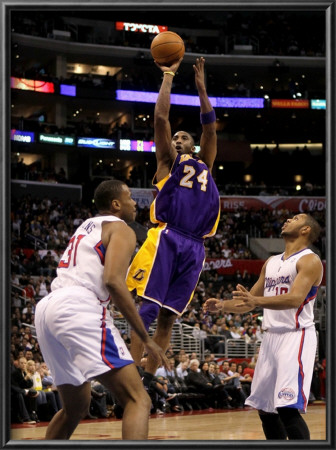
(264, 184)
(270, 32)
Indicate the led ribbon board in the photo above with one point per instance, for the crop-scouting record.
(190, 100)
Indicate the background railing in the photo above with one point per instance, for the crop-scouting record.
(182, 338)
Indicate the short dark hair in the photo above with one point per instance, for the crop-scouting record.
(106, 192)
(314, 226)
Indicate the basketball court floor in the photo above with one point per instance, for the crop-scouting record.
(210, 425)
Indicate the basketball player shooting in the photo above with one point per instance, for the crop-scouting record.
(286, 289)
(186, 210)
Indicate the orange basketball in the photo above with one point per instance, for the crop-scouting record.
(167, 47)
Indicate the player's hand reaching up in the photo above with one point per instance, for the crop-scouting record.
(199, 73)
(172, 68)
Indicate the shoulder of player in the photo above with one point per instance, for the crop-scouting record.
(309, 258)
(117, 227)
(310, 263)
(202, 158)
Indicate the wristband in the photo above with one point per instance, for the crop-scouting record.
(170, 73)
(208, 117)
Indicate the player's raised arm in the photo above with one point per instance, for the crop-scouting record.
(208, 142)
(165, 154)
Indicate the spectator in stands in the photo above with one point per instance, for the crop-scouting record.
(41, 287)
(250, 338)
(198, 333)
(46, 400)
(234, 333)
(16, 300)
(28, 354)
(245, 380)
(216, 342)
(249, 369)
(182, 358)
(233, 372)
(48, 383)
(23, 386)
(189, 317)
(182, 369)
(49, 265)
(199, 382)
(232, 384)
(98, 405)
(167, 394)
(29, 289)
(221, 398)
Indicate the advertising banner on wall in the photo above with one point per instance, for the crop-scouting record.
(95, 142)
(229, 266)
(231, 203)
(299, 204)
(56, 139)
(26, 137)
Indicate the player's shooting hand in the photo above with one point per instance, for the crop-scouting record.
(199, 72)
(244, 296)
(172, 68)
(157, 353)
(213, 305)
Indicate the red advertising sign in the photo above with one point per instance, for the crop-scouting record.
(32, 85)
(231, 203)
(140, 27)
(299, 204)
(230, 266)
(289, 103)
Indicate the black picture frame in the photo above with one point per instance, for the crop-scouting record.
(305, 5)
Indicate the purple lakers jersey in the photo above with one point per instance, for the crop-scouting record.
(188, 198)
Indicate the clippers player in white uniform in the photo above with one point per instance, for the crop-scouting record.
(286, 289)
(75, 330)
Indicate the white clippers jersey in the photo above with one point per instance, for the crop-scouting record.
(279, 278)
(82, 263)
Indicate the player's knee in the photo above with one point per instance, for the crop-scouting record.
(146, 400)
(77, 411)
(148, 312)
(138, 398)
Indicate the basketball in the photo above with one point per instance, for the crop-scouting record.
(167, 47)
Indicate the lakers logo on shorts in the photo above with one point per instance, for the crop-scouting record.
(139, 275)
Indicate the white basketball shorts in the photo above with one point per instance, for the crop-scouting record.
(77, 336)
(284, 370)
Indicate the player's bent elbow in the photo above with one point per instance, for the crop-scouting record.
(114, 285)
